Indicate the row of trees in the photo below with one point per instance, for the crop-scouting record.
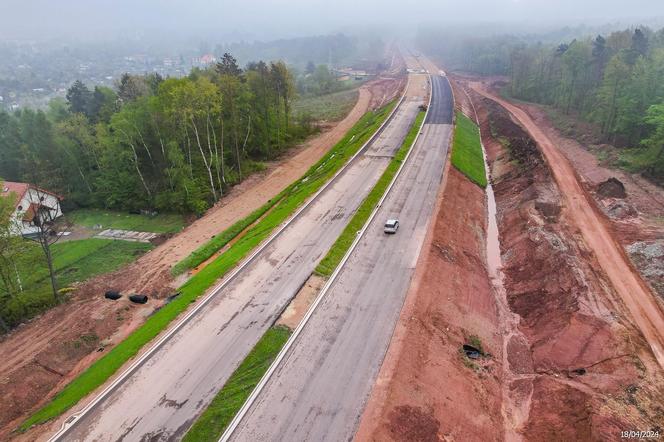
(615, 81)
(170, 144)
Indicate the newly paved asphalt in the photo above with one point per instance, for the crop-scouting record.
(320, 389)
(161, 399)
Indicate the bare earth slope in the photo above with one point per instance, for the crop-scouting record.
(633, 291)
(425, 391)
(566, 359)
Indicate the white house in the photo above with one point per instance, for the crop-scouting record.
(32, 206)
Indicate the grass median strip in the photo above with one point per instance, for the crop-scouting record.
(341, 245)
(284, 205)
(467, 155)
(216, 417)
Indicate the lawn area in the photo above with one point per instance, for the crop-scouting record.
(74, 261)
(330, 107)
(211, 424)
(161, 223)
(467, 153)
(280, 209)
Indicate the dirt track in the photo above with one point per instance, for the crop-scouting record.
(637, 296)
(40, 357)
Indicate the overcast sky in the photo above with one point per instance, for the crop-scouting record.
(101, 19)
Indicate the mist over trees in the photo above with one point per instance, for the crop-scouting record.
(615, 81)
(154, 143)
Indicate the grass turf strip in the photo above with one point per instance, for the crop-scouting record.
(216, 417)
(467, 155)
(282, 207)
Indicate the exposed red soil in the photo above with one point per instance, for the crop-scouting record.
(582, 354)
(597, 235)
(637, 220)
(40, 357)
(426, 389)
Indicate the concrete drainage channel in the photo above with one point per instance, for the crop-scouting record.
(71, 420)
(228, 433)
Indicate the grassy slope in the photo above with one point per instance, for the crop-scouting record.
(467, 153)
(74, 261)
(284, 205)
(216, 417)
(162, 223)
(214, 420)
(341, 245)
(330, 107)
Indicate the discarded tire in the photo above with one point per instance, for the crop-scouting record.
(112, 294)
(138, 299)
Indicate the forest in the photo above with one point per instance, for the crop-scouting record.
(173, 145)
(615, 81)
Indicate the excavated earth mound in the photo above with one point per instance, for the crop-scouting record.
(612, 188)
(584, 362)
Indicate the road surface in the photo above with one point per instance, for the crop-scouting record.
(319, 390)
(162, 398)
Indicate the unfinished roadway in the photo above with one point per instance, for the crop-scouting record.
(162, 397)
(320, 388)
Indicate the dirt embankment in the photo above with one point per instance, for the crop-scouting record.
(584, 371)
(428, 390)
(40, 357)
(565, 359)
(637, 215)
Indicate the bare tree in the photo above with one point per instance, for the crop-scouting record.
(41, 217)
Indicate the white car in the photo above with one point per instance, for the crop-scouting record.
(391, 226)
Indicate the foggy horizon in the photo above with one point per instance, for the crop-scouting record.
(273, 19)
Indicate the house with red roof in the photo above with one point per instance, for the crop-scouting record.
(33, 205)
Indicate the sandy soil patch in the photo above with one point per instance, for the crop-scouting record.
(298, 307)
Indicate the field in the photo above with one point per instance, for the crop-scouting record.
(161, 223)
(74, 261)
(280, 208)
(330, 107)
(467, 155)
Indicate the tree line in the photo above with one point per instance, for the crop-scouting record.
(173, 144)
(615, 81)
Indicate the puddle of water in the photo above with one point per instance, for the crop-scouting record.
(494, 261)
(515, 410)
